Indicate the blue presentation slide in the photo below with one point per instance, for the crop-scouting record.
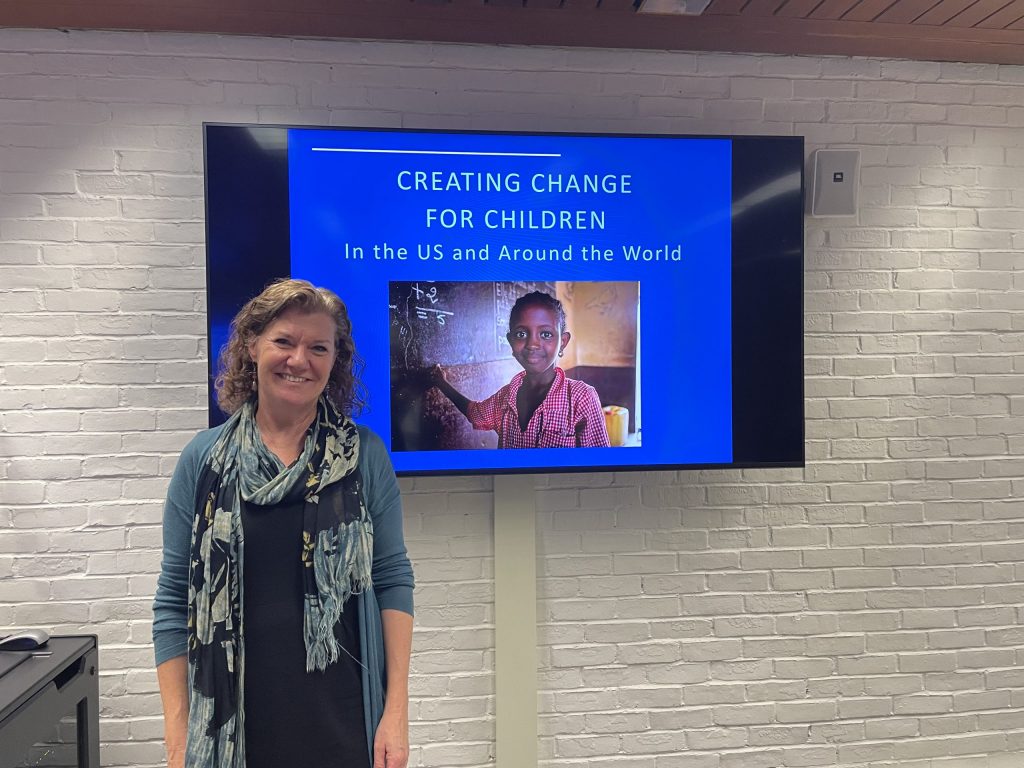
(380, 217)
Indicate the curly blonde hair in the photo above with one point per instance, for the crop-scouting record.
(237, 372)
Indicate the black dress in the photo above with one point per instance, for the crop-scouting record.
(293, 718)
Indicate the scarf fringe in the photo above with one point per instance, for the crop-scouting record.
(342, 560)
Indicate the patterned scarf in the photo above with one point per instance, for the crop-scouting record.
(337, 553)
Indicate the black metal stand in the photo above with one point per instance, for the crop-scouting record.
(41, 690)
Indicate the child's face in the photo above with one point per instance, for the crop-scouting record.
(536, 339)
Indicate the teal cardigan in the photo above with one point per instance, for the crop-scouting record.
(392, 572)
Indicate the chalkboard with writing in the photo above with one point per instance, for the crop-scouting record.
(452, 323)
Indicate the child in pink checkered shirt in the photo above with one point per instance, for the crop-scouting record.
(541, 407)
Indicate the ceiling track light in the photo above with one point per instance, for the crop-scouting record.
(672, 7)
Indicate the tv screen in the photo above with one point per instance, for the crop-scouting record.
(534, 302)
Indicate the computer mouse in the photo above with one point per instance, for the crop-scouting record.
(27, 640)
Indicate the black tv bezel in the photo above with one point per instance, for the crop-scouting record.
(777, 403)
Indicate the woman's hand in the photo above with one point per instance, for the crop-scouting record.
(176, 758)
(391, 744)
(172, 676)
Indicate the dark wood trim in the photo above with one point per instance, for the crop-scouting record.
(869, 10)
(1004, 18)
(833, 10)
(797, 9)
(943, 11)
(978, 12)
(906, 11)
(613, 27)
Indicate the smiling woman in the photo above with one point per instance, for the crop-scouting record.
(236, 382)
(325, 584)
(293, 359)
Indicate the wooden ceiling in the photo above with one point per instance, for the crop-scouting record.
(986, 31)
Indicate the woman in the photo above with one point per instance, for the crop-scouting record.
(285, 596)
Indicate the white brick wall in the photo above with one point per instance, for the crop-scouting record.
(863, 612)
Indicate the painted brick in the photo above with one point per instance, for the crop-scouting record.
(913, 398)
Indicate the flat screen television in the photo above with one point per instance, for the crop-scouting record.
(676, 262)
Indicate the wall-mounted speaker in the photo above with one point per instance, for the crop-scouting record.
(834, 180)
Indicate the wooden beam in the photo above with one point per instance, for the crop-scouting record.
(488, 24)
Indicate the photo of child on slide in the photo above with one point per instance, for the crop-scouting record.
(514, 365)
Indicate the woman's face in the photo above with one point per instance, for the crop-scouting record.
(535, 339)
(294, 356)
